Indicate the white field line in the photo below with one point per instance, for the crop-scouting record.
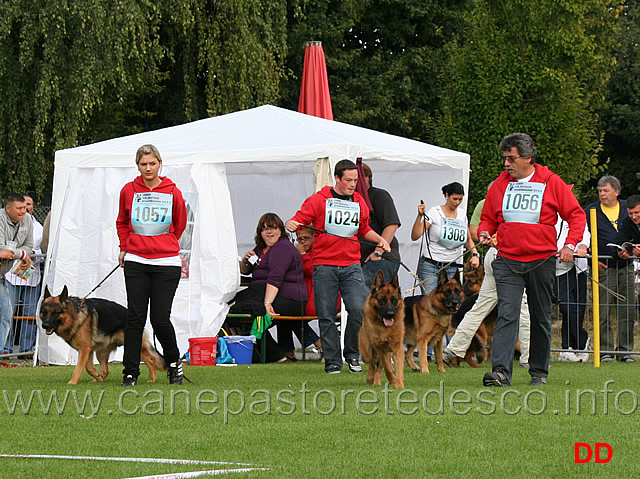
(127, 459)
(217, 472)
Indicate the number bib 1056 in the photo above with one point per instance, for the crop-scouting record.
(151, 213)
(342, 217)
(522, 202)
(453, 233)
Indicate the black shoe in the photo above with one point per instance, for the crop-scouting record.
(495, 379)
(334, 370)
(354, 365)
(538, 381)
(129, 380)
(175, 373)
(606, 358)
(626, 359)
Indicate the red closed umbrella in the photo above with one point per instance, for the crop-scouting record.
(314, 92)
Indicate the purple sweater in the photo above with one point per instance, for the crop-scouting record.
(281, 266)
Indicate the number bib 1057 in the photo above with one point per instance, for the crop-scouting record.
(522, 202)
(453, 233)
(342, 217)
(151, 213)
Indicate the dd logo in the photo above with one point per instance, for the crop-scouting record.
(598, 446)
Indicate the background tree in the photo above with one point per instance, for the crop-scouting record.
(383, 59)
(77, 72)
(536, 67)
(621, 118)
(60, 62)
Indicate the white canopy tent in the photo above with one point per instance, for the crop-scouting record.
(231, 169)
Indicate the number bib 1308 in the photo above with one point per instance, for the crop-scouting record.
(342, 217)
(522, 202)
(151, 213)
(453, 233)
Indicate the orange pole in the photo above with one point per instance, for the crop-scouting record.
(595, 287)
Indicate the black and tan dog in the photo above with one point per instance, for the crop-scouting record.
(89, 325)
(472, 279)
(382, 332)
(481, 342)
(427, 319)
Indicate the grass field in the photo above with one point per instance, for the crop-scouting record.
(300, 422)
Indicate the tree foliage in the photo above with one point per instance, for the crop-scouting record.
(621, 117)
(383, 58)
(536, 67)
(77, 72)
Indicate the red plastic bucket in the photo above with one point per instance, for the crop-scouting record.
(202, 351)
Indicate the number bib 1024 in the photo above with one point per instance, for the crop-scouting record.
(151, 213)
(453, 233)
(342, 217)
(522, 202)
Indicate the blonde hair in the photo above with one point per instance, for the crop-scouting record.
(147, 150)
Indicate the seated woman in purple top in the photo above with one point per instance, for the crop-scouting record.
(278, 286)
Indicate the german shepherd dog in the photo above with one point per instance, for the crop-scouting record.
(472, 279)
(89, 325)
(481, 342)
(382, 332)
(427, 320)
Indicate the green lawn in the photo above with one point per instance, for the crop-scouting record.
(300, 422)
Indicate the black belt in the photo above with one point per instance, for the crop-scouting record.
(440, 265)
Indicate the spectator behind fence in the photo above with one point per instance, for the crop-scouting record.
(571, 289)
(27, 292)
(616, 274)
(526, 259)
(445, 230)
(384, 220)
(278, 285)
(16, 243)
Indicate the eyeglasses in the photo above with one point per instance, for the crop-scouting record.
(304, 238)
(511, 159)
(269, 228)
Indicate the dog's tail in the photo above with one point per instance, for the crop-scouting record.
(158, 360)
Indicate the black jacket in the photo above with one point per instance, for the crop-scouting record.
(607, 233)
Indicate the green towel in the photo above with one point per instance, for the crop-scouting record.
(260, 325)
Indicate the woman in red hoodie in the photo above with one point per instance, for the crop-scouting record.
(151, 220)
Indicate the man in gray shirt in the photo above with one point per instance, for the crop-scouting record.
(16, 243)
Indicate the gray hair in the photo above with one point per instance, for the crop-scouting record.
(523, 143)
(609, 180)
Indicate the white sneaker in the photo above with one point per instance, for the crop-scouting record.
(584, 357)
(568, 356)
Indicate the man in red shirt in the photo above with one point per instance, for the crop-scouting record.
(522, 207)
(342, 216)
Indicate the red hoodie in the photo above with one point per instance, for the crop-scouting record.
(160, 246)
(328, 249)
(532, 242)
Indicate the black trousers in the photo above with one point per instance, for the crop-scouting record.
(155, 285)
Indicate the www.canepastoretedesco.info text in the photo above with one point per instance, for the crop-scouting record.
(306, 401)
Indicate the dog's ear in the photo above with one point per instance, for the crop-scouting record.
(47, 294)
(394, 281)
(65, 294)
(443, 278)
(456, 276)
(378, 282)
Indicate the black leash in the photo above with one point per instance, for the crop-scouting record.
(100, 283)
(388, 256)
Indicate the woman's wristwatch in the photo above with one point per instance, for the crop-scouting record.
(477, 255)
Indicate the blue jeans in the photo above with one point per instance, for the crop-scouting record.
(6, 312)
(512, 277)
(28, 296)
(328, 281)
(371, 268)
(427, 273)
(571, 290)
